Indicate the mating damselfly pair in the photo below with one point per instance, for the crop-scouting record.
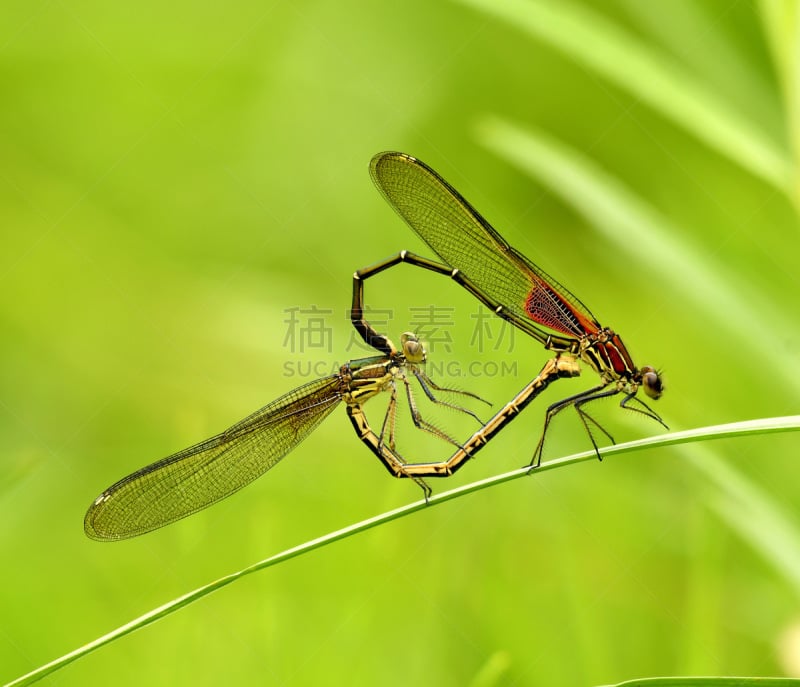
(476, 257)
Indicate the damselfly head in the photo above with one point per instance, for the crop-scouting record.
(413, 350)
(651, 381)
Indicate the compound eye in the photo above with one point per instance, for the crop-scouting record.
(652, 382)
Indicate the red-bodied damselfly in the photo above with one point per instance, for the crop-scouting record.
(475, 256)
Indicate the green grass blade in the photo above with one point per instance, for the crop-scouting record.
(748, 428)
(605, 48)
(709, 682)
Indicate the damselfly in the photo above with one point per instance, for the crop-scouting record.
(201, 475)
(479, 259)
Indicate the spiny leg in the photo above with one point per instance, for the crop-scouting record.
(390, 418)
(554, 410)
(425, 382)
(586, 419)
(420, 422)
(422, 375)
(647, 412)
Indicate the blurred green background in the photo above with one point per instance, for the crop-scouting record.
(176, 178)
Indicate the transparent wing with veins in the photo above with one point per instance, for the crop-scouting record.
(464, 240)
(200, 475)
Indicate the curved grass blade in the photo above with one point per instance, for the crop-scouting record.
(708, 682)
(747, 428)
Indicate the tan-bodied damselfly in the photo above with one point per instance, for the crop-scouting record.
(197, 477)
